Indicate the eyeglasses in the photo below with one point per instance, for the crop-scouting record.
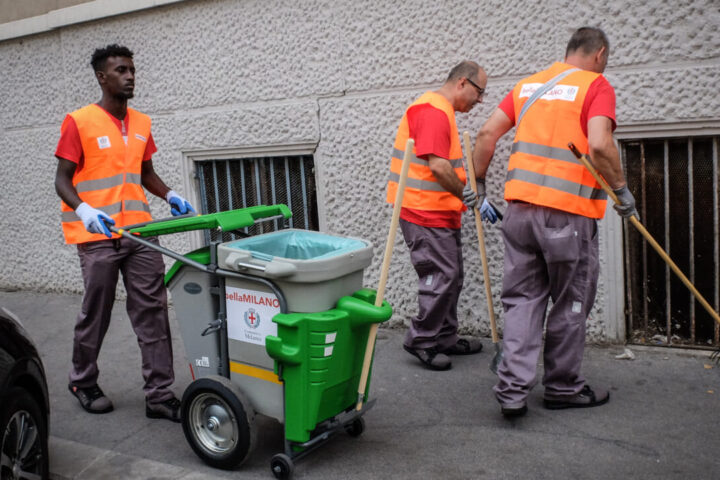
(481, 91)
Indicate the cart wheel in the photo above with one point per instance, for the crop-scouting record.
(282, 466)
(356, 427)
(218, 422)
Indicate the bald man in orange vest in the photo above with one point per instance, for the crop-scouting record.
(550, 226)
(435, 196)
(104, 161)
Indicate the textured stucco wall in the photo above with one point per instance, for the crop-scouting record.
(226, 73)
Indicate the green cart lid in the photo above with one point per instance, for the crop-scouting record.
(201, 255)
(225, 221)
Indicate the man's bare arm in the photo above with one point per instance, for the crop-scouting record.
(63, 183)
(495, 127)
(151, 181)
(603, 151)
(445, 175)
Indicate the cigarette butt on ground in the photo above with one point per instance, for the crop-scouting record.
(626, 355)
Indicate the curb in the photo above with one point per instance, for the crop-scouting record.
(71, 460)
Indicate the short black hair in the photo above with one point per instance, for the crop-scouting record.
(589, 39)
(100, 56)
(464, 69)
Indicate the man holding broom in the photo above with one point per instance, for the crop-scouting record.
(435, 196)
(550, 225)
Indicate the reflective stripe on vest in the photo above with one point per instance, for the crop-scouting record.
(423, 191)
(110, 176)
(137, 205)
(109, 182)
(538, 150)
(399, 154)
(110, 210)
(418, 184)
(542, 170)
(566, 186)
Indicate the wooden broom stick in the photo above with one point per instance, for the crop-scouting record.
(385, 269)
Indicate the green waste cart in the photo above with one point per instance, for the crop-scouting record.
(274, 324)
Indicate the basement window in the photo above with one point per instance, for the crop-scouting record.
(240, 182)
(675, 183)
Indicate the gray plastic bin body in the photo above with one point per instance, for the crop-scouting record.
(194, 309)
(250, 366)
(312, 269)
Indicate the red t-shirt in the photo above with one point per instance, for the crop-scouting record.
(599, 101)
(430, 128)
(70, 147)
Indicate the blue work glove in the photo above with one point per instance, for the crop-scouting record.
(487, 212)
(94, 219)
(178, 205)
(470, 198)
(626, 203)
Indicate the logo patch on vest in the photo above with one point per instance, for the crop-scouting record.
(103, 142)
(140, 137)
(558, 92)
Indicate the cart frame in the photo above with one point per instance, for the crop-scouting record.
(349, 420)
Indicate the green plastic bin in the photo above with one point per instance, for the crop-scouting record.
(320, 357)
(301, 367)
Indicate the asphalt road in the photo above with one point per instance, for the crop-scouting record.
(661, 421)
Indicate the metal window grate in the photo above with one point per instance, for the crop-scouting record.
(675, 182)
(245, 182)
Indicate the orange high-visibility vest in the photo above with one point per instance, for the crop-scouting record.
(422, 191)
(110, 176)
(542, 170)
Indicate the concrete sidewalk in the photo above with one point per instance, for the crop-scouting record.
(661, 421)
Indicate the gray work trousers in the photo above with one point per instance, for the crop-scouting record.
(549, 254)
(142, 271)
(436, 255)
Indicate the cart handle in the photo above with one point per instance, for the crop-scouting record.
(137, 238)
(158, 220)
(191, 215)
(251, 266)
(225, 221)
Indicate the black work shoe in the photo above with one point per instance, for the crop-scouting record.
(430, 357)
(587, 397)
(92, 399)
(465, 346)
(513, 411)
(169, 409)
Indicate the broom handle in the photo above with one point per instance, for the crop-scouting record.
(384, 270)
(481, 238)
(643, 231)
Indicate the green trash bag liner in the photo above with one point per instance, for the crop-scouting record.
(297, 245)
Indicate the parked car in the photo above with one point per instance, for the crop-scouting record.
(24, 405)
